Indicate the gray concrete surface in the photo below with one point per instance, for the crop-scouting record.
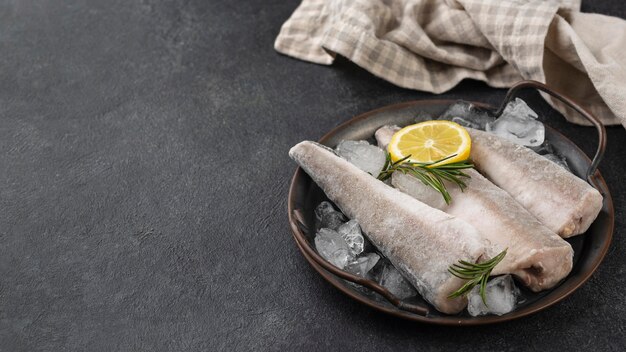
(143, 185)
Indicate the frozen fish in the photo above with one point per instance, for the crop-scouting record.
(537, 256)
(421, 241)
(563, 202)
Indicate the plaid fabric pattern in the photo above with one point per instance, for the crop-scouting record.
(430, 45)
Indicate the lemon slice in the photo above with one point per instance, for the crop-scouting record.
(431, 141)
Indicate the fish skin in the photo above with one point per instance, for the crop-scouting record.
(422, 242)
(537, 256)
(563, 202)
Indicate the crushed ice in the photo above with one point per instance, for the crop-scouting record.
(343, 244)
(332, 247)
(393, 281)
(351, 233)
(363, 155)
(502, 296)
(362, 265)
(327, 217)
(518, 123)
(467, 114)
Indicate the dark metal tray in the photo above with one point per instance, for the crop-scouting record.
(589, 248)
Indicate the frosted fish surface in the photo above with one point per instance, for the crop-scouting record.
(557, 160)
(421, 242)
(536, 255)
(563, 202)
(418, 190)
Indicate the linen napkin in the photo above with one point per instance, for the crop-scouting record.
(432, 45)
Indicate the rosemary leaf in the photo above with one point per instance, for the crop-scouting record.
(476, 274)
(430, 173)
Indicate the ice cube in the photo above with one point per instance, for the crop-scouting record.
(559, 160)
(393, 281)
(363, 264)
(326, 216)
(468, 115)
(351, 233)
(519, 108)
(332, 247)
(363, 155)
(383, 135)
(518, 123)
(501, 294)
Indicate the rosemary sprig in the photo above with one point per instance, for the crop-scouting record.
(475, 274)
(430, 173)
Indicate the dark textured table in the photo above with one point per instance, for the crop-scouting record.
(143, 185)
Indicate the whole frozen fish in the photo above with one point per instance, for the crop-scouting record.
(563, 202)
(422, 242)
(536, 255)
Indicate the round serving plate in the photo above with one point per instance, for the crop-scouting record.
(304, 195)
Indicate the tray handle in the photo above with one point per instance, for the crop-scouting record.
(591, 171)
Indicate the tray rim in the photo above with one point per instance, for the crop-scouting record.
(446, 320)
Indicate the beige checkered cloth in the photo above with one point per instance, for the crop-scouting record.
(432, 45)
